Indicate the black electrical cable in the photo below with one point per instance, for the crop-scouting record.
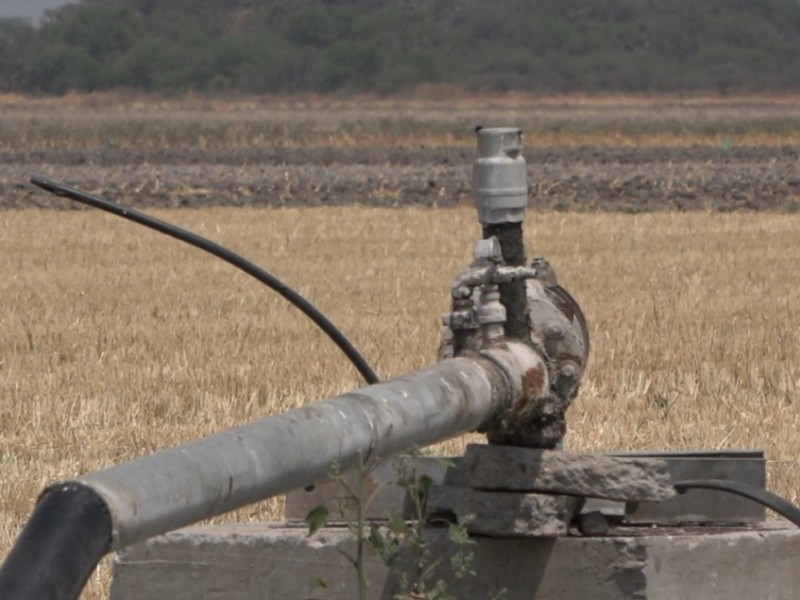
(223, 253)
(783, 507)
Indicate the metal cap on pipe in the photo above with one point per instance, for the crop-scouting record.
(499, 176)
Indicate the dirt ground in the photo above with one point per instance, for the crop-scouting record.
(625, 155)
(575, 179)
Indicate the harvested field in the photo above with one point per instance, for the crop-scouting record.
(115, 341)
(611, 154)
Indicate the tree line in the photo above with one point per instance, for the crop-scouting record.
(275, 46)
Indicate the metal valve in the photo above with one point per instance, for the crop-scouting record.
(498, 300)
(499, 176)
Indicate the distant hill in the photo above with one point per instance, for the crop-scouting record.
(28, 9)
(390, 45)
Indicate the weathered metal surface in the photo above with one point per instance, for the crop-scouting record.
(556, 333)
(183, 485)
(705, 506)
(499, 176)
(535, 309)
(512, 294)
(557, 328)
(530, 393)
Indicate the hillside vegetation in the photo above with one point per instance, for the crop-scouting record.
(279, 46)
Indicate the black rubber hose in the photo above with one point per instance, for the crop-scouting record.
(66, 536)
(223, 253)
(783, 507)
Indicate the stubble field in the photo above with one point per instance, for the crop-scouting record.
(115, 341)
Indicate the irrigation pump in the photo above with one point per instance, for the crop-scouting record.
(504, 308)
(513, 350)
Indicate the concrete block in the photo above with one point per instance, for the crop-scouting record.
(505, 514)
(592, 475)
(271, 562)
(696, 506)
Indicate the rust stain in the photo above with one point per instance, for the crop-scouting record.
(533, 383)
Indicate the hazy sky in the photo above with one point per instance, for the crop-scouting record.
(29, 9)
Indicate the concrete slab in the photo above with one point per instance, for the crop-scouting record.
(505, 514)
(696, 506)
(266, 562)
(509, 468)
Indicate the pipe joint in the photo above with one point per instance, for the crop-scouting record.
(528, 324)
(491, 315)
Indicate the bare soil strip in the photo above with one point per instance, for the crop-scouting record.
(606, 154)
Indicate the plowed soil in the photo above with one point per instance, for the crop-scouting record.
(699, 155)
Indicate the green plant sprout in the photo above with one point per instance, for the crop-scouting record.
(401, 545)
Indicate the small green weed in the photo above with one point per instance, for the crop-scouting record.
(402, 545)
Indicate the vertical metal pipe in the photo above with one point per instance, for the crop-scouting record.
(500, 186)
(512, 294)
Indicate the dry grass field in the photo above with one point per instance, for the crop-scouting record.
(116, 341)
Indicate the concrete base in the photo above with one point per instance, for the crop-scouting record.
(278, 562)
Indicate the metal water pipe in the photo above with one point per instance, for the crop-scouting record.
(507, 385)
(538, 311)
(500, 187)
(128, 503)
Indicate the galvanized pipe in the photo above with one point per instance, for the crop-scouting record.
(179, 486)
(500, 187)
(487, 388)
(154, 494)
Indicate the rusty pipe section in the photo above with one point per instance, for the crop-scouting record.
(179, 486)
